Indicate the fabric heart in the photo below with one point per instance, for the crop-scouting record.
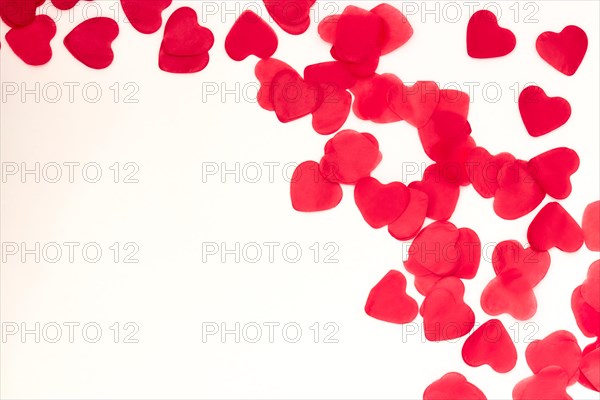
(414, 104)
(453, 386)
(542, 114)
(442, 195)
(560, 348)
(310, 191)
(591, 226)
(590, 290)
(293, 16)
(516, 181)
(554, 227)
(445, 314)
(532, 264)
(380, 204)
(389, 302)
(590, 369)
(185, 45)
(564, 50)
(293, 97)
(265, 71)
(485, 39)
(19, 13)
(492, 345)
(410, 222)
(145, 15)
(553, 169)
(483, 168)
(350, 156)
(250, 35)
(587, 318)
(31, 43)
(549, 384)
(90, 42)
(510, 293)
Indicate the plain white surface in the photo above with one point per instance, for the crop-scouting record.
(171, 212)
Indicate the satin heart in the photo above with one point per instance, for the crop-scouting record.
(560, 348)
(31, 43)
(532, 264)
(310, 191)
(453, 386)
(389, 302)
(293, 97)
(185, 45)
(542, 114)
(380, 204)
(549, 384)
(415, 104)
(485, 39)
(90, 42)
(554, 227)
(492, 345)
(591, 226)
(564, 50)
(250, 35)
(293, 16)
(483, 168)
(410, 222)
(145, 15)
(510, 293)
(350, 156)
(553, 169)
(516, 181)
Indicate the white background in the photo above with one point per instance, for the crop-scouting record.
(175, 128)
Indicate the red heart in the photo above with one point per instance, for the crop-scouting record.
(250, 35)
(445, 315)
(553, 170)
(293, 16)
(414, 104)
(560, 348)
(554, 227)
(293, 97)
(310, 191)
(265, 72)
(371, 98)
(532, 264)
(379, 204)
(185, 45)
(453, 386)
(350, 156)
(333, 74)
(389, 302)
(65, 4)
(542, 114)
(550, 383)
(591, 226)
(145, 15)
(490, 344)
(469, 246)
(587, 318)
(18, 13)
(590, 290)
(590, 368)
(411, 220)
(31, 43)
(90, 42)
(516, 181)
(443, 195)
(510, 293)
(396, 28)
(435, 249)
(485, 39)
(483, 168)
(564, 50)
(333, 111)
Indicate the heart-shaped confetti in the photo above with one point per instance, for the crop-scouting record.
(442, 195)
(371, 98)
(250, 35)
(564, 50)
(31, 43)
(90, 42)
(591, 226)
(389, 302)
(265, 71)
(380, 204)
(145, 15)
(293, 16)
(542, 114)
(311, 192)
(415, 104)
(453, 386)
(492, 345)
(554, 227)
(553, 169)
(590, 368)
(293, 97)
(590, 290)
(483, 169)
(532, 264)
(560, 348)
(486, 39)
(587, 318)
(516, 181)
(19, 13)
(410, 222)
(510, 293)
(549, 384)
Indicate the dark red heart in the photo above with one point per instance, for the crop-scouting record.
(31, 43)
(380, 204)
(485, 39)
(554, 227)
(18, 13)
(564, 50)
(185, 45)
(560, 348)
(453, 386)
(310, 191)
(389, 302)
(250, 35)
(90, 42)
(553, 169)
(145, 15)
(492, 345)
(542, 114)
